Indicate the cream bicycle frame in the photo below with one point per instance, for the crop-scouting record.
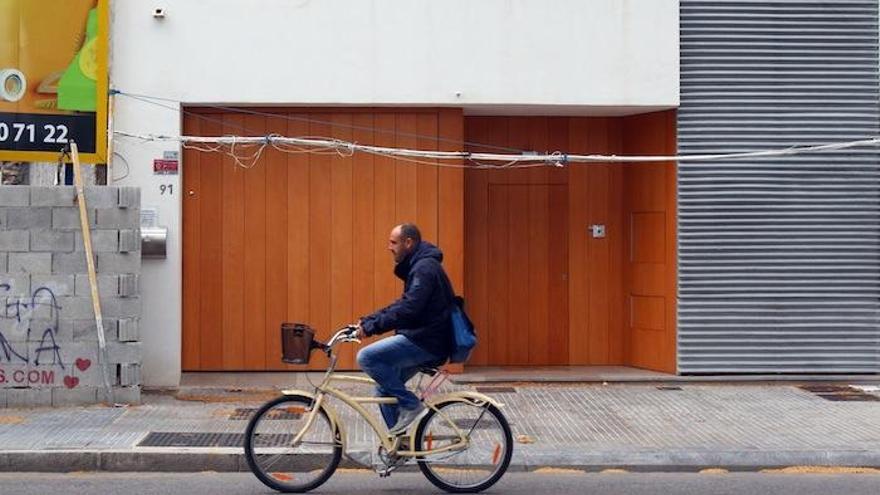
(389, 442)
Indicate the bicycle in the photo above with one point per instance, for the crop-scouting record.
(294, 443)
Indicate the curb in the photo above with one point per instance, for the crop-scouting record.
(232, 460)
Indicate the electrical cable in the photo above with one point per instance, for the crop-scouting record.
(557, 159)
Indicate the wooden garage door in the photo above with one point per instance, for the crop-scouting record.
(302, 236)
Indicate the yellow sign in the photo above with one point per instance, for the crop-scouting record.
(53, 78)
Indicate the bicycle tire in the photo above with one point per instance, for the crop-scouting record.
(437, 481)
(272, 481)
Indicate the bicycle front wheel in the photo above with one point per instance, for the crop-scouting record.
(481, 462)
(282, 464)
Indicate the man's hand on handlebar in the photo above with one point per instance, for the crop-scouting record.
(360, 334)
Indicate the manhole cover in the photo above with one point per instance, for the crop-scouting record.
(191, 439)
(826, 389)
(495, 390)
(840, 393)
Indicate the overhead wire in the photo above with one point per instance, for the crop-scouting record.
(247, 150)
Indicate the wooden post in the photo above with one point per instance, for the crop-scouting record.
(90, 263)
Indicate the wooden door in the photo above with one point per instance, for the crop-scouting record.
(527, 274)
(650, 267)
(543, 291)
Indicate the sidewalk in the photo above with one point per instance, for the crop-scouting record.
(645, 427)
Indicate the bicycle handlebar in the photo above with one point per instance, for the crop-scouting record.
(348, 333)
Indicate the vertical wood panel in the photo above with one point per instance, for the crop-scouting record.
(211, 231)
(192, 295)
(579, 274)
(298, 240)
(253, 342)
(363, 241)
(275, 282)
(476, 197)
(599, 256)
(384, 206)
(342, 247)
(518, 274)
(616, 249)
(671, 148)
(558, 290)
(538, 266)
(498, 307)
(320, 241)
(558, 244)
(233, 253)
(450, 201)
(451, 198)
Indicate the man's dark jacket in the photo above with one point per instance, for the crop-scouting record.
(422, 313)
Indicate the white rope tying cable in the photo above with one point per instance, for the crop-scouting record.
(346, 149)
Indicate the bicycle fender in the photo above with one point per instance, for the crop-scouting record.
(337, 425)
(469, 397)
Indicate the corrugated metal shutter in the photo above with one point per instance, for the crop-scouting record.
(778, 258)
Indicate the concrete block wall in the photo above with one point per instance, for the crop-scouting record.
(49, 353)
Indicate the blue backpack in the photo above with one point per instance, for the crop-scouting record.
(464, 334)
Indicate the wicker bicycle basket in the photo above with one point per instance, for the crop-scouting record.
(296, 343)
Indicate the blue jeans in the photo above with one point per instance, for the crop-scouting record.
(391, 362)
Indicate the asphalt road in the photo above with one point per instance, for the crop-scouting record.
(414, 483)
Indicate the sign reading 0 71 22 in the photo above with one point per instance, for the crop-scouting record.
(53, 78)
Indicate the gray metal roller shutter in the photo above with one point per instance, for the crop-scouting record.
(778, 258)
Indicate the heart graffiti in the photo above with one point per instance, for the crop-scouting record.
(71, 381)
(83, 364)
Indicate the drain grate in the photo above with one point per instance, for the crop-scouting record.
(668, 387)
(191, 439)
(840, 393)
(245, 413)
(242, 414)
(495, 390)
(826, 389)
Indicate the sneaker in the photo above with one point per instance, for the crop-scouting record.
(406, 418)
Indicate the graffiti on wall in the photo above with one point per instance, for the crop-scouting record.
(30, 354)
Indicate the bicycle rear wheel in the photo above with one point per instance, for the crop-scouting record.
(273, 457)
(481, 463)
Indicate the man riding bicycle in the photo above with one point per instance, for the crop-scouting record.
(423, 334)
